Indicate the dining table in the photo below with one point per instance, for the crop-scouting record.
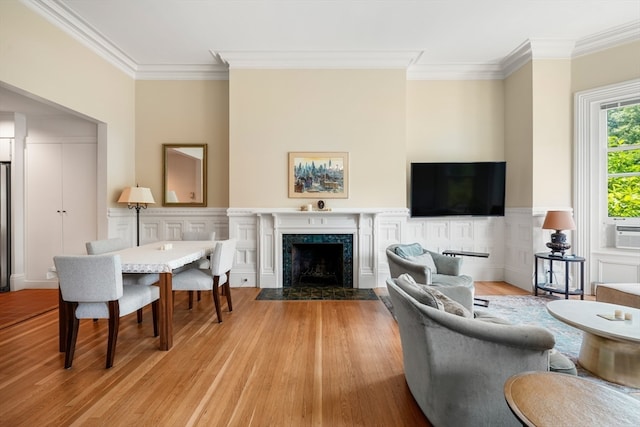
(162, 257)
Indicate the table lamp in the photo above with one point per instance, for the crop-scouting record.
(558, 221)
(136, 198)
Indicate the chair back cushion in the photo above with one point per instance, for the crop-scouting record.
(223, 256)
(98, 247)
(410, 250)
(89, 278)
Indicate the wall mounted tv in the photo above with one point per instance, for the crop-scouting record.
(451, 189)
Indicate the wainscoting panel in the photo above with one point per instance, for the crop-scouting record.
(511, 241)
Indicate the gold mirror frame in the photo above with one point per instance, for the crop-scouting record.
(184, 180)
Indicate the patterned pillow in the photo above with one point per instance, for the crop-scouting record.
(449, 305)
(418, 292)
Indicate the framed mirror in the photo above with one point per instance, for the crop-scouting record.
(185, 175)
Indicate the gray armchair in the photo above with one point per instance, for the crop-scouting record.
(447, 268)
(456, 367)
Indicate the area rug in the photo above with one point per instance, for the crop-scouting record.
(531, 310)
(304, 293)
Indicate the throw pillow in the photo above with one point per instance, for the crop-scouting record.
(417, 292)
(406, 251)
(449, 305)
(425, 259)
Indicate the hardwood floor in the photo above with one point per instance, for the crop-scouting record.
(18, 306)
(270, 363)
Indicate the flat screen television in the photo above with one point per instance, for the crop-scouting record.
(451, 189)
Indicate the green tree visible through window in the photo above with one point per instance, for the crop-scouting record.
(623, 161)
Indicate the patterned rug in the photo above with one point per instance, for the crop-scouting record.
(531, 310)
(304, 293)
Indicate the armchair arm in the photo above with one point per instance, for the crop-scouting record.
(446, 264)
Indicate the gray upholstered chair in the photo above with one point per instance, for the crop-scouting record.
(456, 367)
(195, 279)
(198, 236)
(99, 247)
(91, 288)
(447, 269)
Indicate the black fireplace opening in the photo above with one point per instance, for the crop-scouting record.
(316, 264)
(317, 260)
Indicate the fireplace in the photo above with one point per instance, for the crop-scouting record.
(317, 260)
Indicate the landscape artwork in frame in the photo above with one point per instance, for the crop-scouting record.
(318, 175)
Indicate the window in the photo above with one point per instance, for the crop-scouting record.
(596, 166)
(623, 158)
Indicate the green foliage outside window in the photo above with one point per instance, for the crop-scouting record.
(624, 158)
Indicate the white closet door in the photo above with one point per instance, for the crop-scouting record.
(44, 217)
(61, 203)
(79, 223)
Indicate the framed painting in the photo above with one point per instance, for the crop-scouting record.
(318, 175)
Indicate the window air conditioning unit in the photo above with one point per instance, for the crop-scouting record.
(627, 237)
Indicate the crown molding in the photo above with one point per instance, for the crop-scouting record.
(318, 59)
(182, 72)
(455, 72)
(607, 39)
(536, 49)
(62, 17)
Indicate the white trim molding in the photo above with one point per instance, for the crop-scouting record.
(588, 175)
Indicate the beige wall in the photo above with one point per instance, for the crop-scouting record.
(552, 130)
(187, 112)
(519, 137)
(606, 67)
(41, 59)
(274, 112)
(454, 121)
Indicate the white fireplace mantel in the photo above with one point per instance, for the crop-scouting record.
(271, 224)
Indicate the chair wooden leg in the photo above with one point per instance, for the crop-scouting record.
(139, 313)
(199, 295)
(226, 290)
(190, 300)
(114, 324)
(63, 322)
(154, 309)
(72, 334)
(216, 297)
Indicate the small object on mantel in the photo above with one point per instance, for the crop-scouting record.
(321, 204)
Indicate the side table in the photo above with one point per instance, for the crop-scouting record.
(554, 399)
(553, 287)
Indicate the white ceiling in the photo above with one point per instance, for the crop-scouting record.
(199, 38)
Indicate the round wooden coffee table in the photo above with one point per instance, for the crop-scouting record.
(554, 399)
(610, 348)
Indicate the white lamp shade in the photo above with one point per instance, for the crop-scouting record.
(559, 220)
(136, 195)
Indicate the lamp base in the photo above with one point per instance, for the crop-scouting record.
(558, 243)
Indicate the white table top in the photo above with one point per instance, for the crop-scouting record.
(151, 258)
(584, 315)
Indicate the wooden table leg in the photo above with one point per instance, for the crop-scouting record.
(62, 323)
(165, 319)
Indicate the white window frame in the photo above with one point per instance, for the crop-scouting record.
(593, 224)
